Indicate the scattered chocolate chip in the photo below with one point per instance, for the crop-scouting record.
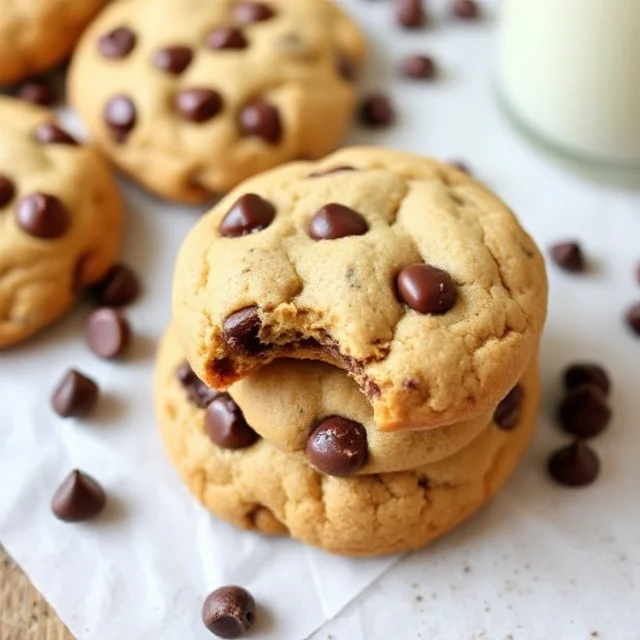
(42, 216)
(507, 415)
(75, 395)
(633, 318)
(118, 43)
(198, 392)
(229, 612)
(574, 465)
(51, 133)
(584, 411)
(120, 117)
(107, 333)
(328, 172)
(7, 190)
(582, 373)
(427, 289)
(78, 498)
(250, 213)
(262, 120)
(410, 14)
(376, 111)
(173, 60)
(346, 68)
(335, 221)
(248, 12)
(338, 447)
(568, 256)
(418, 67)
(198, 105)
(118, 288)
(241, 331)
(466, 9)
(461, 166)
(226, 38)
(38, 91)
(226, 425)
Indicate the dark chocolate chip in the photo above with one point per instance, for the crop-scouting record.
(7, 190)
(507, 415)
(42, 216)
(338, 447)
(568, 256)
(198, 105)
(582, 373)
(250, 213)
(241, 331)
(632, 318)
(418, 67)
(118, 288)
(335, 221)
(78, 498)
(346, 68)
(226, 425)
(410, 14)
(75, 395)
(584, 411)
(427, 289)
(226, 38)
(120, 117)
(51, 133)
(376, 111)
(173, 60)
(461, 166)
(38, 91)
(198, 392)
(466, 9)
(574, 465)
(118, 43)
(328, 172)
(262, 120)
(107, 333)
(229, 612)
(248, 12)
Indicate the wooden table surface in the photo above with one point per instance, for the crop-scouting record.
(24, 614)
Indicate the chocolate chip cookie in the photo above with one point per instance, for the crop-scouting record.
(191, 96)
(60, 219)
(403, 271)
(254, 485)
(35, 35)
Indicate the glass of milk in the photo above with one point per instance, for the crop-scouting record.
(569, 71)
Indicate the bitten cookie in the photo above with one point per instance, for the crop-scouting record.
(191, 96)
(60, 219)
(35, 35)
(257, 486)
(408, 274)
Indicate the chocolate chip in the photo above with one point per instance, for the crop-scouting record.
(568, 256)
(51, 133)
(575, 465)
(226, 425)
(427, 289)
(584, 411)
(42, 216)
(632, 318)
(335, 221)
(467, 9)
(338, 447)
(461, 166)
(346, 68)
(107, 333)
(229, 612)
(410, 14)
(582, 373)
(118, 43)
(120, 117)
(78, 498)
(75, 395)
(241, 331)
(7, 190)
(118, 288)
(38, 91)
(418, 67)
(198, 105)
(173, 60)
(249, 213)
(198, 392)
(507, 415)
(248, 12)
(262, 120)
(376, 111)
(328, 172)
(226, 38)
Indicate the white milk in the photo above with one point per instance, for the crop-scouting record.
(570, 71)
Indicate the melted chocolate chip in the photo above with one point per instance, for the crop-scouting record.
(51, 133)
(226, 38)
(38, 91)
(418, 67)
(120, 117)
(78, 498)
(575, 465)
(584, 411)
(229, 612)
(632, 317)
(328, 172)
(7, 191)
(376, 111)
(173, 60)
(249, 214)
(198, 392)
(118, 43)
(226, 425)
(568, 256)
(198, 105)
(582, 373)
(107, 333)
(346, 68)
(42, 216)
(75, 396)
(466, 9)
(118, 288)
(507, 415)
(248, 12)
(410, 14)
(241, 331)
(262, 120)
(335, 221)
(427, 289)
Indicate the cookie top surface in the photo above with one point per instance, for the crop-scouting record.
(36, 35)
(253, 283)
(191, 96)
(60, 219)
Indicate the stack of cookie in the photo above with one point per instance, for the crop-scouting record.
(353, 355)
